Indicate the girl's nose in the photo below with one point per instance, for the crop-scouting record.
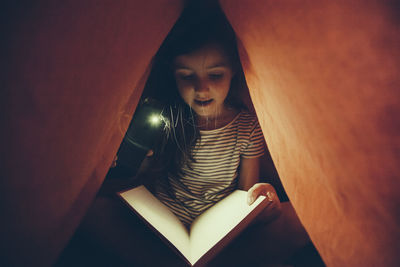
(201, 86)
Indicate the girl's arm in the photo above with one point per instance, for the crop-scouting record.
(248, 180)
(249, 172)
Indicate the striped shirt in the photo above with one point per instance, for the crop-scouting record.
(214, 172)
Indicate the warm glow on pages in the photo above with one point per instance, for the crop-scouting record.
(209, 232)
(217, 222)
(159, 216)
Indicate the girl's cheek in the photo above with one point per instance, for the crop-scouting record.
(186, 94)
(186, 90)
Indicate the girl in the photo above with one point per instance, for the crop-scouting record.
(212, 148)
(214, 143)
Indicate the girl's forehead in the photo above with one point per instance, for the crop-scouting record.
(209, 56)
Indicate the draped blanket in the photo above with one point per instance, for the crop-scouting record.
(323, 77)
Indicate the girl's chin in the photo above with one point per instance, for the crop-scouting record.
(209, 111)
(208, 115)
(204, 110)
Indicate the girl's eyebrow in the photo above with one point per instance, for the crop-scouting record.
(219, 65)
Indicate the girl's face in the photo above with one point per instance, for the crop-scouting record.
(203, 78)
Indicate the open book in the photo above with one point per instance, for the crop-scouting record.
(209, 232)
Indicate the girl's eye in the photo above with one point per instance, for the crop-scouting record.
(216, 76)
(189, 77)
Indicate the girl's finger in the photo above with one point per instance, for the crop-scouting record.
(270, 196)
(260, 189)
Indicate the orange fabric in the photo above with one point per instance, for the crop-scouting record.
(324, 80)
(323, 76)
(74, 71)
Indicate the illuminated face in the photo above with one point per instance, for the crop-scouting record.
(203, 78)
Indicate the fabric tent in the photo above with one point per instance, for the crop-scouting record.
(323, 77)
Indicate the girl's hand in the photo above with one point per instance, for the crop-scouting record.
(262, 189)
(150, 153)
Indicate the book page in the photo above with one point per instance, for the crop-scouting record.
(159, 216)
(216, 222)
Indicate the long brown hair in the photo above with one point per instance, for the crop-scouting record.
(198, 26)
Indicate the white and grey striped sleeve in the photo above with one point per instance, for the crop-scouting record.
(256, 144)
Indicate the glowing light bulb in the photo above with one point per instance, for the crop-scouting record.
(155, 120)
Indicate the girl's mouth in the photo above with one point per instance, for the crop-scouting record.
(203, 102)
